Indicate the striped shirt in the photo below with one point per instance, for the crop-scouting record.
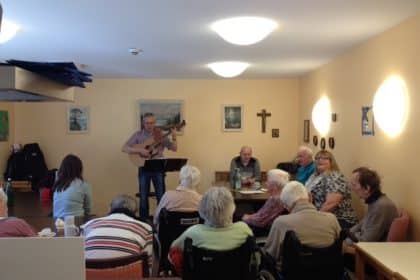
(117, 235)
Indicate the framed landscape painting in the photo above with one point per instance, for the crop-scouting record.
(168, 113)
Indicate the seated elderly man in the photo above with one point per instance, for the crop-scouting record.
(381, 211)
(185, 197)
(249, 167)
(118, 234)
(11, 226)
(276, 180)
(313, 228)
(218, 231)
(306, 164)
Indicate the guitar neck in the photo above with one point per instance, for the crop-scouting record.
(157, 143)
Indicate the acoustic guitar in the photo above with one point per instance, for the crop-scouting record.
(152, 145)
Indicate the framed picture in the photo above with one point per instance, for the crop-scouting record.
(4, 125)
(168, 113)
(77, 119)
(367, 123)
(232, 117)
(306, 134)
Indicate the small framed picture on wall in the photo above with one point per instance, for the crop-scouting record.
(77, 119)
(232, 117)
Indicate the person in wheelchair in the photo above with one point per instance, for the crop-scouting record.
(312, 227)
(218, 231)
(185, 198)
(261, 221)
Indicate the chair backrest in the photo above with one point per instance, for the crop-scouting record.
(289, 166)
(303, 262)
(399, 227)
(239, 263)
(128, 267)
(171, 225)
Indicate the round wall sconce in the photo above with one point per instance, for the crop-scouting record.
(322, 144)
(331, 143)
(321, 115)
(315, 140)
(390, 106)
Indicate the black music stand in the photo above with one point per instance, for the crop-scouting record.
(164, 164)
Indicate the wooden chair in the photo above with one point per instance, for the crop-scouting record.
(128, 267)
(398, 231)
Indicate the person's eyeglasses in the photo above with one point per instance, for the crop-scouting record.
(322, 157)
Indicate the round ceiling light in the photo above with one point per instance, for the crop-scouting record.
(8, 31)
(244, 30)
(228, 69)
(390, 106)
(321, 115)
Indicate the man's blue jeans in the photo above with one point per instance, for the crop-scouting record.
(158, 180)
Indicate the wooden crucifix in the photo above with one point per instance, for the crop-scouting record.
(264, 114)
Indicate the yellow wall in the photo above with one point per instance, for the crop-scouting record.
(113, 119)
(350, 81)
(5, 145)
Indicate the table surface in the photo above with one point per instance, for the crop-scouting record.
(401, 257)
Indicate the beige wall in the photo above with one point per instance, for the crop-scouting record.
(350, 81)
(5, 145)
(113, 119)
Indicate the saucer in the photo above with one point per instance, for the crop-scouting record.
(51, 234)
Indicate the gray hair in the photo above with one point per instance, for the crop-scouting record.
(292, 192)
(189, 177)
(3, 196)
(217, 207)
(124, 201)
(278, 176)
(307, 150)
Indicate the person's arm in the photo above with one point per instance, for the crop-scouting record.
(162, 203)
(274, 243)
(129, 149)
(174, 145)
(331, 202)
(376, 226)
(24, 228)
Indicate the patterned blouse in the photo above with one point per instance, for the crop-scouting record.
(320, 185)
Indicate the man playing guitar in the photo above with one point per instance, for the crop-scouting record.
(152, 135)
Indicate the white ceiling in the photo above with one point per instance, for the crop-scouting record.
(177, 40)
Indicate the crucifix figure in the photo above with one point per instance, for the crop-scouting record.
(264, 114)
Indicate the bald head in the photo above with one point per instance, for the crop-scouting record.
(245, 154)
(304, 156)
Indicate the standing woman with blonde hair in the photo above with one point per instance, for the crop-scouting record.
(330, 190)
(72, 195)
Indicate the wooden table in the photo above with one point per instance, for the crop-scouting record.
(393, 260)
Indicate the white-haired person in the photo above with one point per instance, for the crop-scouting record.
(185, 198)
(11, 226)
(118, 234)
(272, 208)
(306, 162)
(218, 232)
(312, 227)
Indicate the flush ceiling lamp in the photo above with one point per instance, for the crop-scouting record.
(390, 106)
(8, 31)
(244, 30)
(228, 69)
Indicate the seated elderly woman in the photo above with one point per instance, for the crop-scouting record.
(330, 190)
(272, 208)
(218, 231)
(185, 197)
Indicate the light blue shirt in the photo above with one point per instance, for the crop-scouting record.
(76, 200)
